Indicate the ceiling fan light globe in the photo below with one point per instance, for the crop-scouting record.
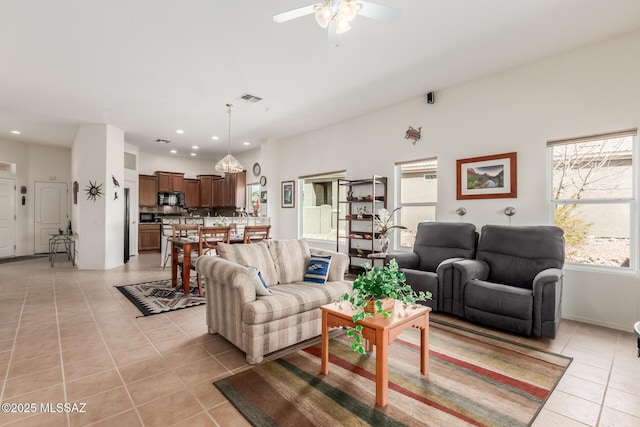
(320, 19)
(342, 26)
(347, 10)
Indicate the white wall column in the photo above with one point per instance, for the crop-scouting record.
(96, 156)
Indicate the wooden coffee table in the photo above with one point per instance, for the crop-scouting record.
(380, 332)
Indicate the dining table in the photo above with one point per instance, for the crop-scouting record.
(186, 244)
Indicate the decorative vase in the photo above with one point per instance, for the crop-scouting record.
(387, 304)
(384, 244)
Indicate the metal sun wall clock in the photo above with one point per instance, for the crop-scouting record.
(93, 190)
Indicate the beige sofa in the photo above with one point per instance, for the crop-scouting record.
(262, 324)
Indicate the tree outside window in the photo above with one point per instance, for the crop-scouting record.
(593, 198)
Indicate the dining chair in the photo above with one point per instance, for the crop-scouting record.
(256, 233)
(185, 231)
(208, 240)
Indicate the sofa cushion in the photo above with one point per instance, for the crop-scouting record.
(318, 269)
(254, 254)
(290, 259)
(292, 298)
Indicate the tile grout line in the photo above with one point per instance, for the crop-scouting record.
(13, 348)
(115, 365)
(64, 381)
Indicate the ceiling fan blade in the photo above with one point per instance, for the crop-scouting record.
(333, 39)
(294, 13)
(378, 11)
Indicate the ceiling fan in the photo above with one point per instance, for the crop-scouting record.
(335, 15)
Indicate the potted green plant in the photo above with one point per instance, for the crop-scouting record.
(375, 292)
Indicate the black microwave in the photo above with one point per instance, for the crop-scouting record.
(147, 217)
(173, 198)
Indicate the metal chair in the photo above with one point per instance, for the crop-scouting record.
(166, 228)
(256, 233)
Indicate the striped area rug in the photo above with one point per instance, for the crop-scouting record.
(474, 380)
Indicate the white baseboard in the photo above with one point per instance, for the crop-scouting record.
(625, 328)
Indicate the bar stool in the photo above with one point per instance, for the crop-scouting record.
(167, 231)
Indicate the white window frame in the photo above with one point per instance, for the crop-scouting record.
(301, 183)
(630, 201)
(398, 198)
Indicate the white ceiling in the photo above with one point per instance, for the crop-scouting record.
(150, 67)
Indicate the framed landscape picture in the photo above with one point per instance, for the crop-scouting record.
(487, 177)
(288, 194)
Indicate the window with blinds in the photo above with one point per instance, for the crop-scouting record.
(593, 197)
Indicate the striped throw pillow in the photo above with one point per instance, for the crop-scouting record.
(318, 269)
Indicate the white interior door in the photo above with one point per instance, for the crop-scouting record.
(7, 217)
(51, 212)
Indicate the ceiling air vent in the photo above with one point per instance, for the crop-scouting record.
(249, 98)
(165, 141)
(429, 176)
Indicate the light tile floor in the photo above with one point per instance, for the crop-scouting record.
(69, 336)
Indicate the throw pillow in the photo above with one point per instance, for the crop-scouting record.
(318, 269)
(258, 281)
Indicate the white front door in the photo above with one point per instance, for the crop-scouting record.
(51, 212)
(7, 217)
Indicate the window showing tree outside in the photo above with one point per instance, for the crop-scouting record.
(320, 206)
(593, 198)
(418, 195)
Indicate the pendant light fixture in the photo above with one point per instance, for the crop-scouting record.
(229, 164)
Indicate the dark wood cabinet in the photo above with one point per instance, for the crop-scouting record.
(147, 190)
(148, 237)
(235, 190)
(170, 181)
(205, 191)
(192, 193)
(217, 192)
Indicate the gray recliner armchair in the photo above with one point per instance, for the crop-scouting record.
(515, 283)
(429, 267)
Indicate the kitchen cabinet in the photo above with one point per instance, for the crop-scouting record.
(217, 192)
(170, 181)
(148, 237)
(235, 189)
(192, 193)
(147, 190)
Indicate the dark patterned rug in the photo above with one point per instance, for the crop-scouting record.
(159, 297)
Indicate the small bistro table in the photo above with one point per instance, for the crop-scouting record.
(380, 332)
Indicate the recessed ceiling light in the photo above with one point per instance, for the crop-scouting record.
(16, 132)
(215, 138)
(193, 154)
(173, 151)
(246, 143)
(179, 131)
(195, 147)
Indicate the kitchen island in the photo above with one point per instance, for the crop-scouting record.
(239, 221)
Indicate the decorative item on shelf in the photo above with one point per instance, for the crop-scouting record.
(383, 223)
(93, 190)
(413, 134)
(229, 164)
(371, 289)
